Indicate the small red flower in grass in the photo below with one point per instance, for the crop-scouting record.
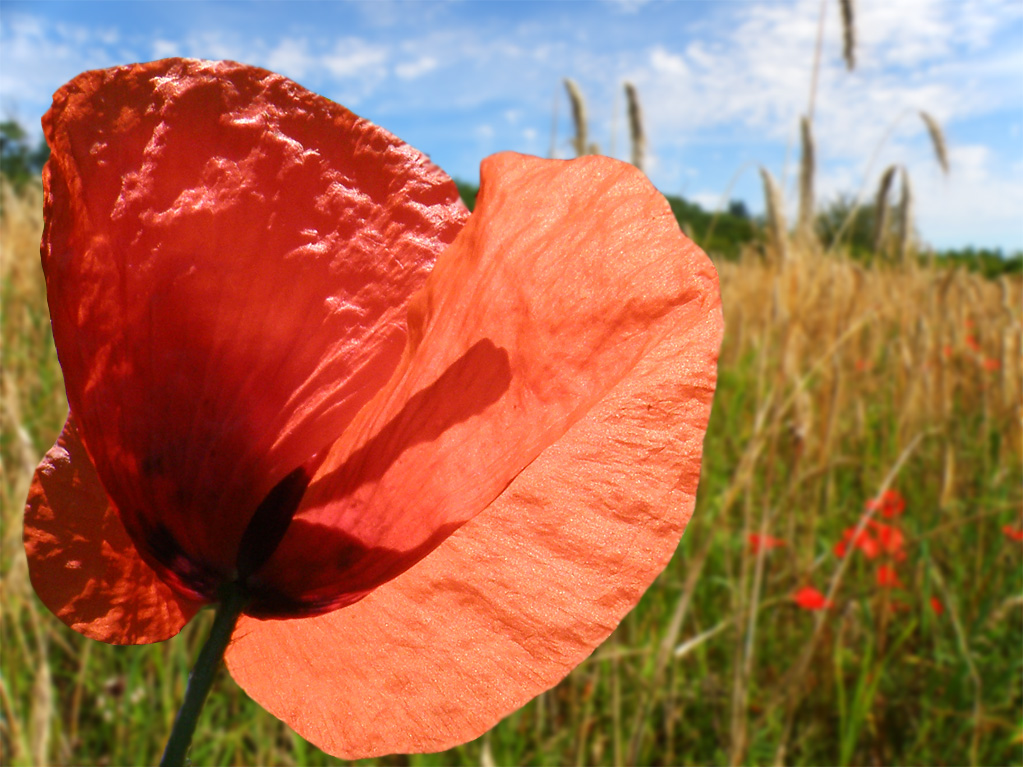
(887, 577)
(1013, 533)
(936, 606)
(809, 598)
(437, 456)
(889, 539)
(765, 542)
(992, 365)
(863, 541)
(972, 343)
(890, 504)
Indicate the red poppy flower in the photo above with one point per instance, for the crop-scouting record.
(973, 343)
(890, 504)
(887, 577)
(765, 542)
(810, 598)
(992, 365)
(936, 606)
(862, 541)
(441, 455)
(1013, 533)
(889, 539)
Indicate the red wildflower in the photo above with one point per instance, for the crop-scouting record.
(889, 540)
(946, 351)
(1013, 533)
(972, 343)
(936, 606)
(991, 364)
(766, 542)
(810, 598)
(863, 541)
(427, 468)
(890, 504)
(887, 577)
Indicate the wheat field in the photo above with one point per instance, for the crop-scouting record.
(839, 383)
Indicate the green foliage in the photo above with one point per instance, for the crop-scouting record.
(856, 225)
(720, 234)
(991, 262)
(20, 162)
(468, 193)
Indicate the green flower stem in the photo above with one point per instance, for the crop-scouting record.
(201, 679)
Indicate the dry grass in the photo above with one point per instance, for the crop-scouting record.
(937, 140)
(836, 380)
(881, 206)
(906, 226)
(579, 118)
(777, 228)
(848, 33)
(807, 170)
(636, 131)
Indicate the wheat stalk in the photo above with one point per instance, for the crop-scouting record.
(636, 125)
(806, 173)
(848, 33)
(905, 216)
(775, 215)
(937, 140)
(575, 96)
(881, 207)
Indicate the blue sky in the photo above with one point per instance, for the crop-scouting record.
(723, 83)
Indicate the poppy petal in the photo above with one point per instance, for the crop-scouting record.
(229, 260)
(82, 563)
(513, 600)
(565, 276)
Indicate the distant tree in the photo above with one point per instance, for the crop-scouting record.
(468, 193)
(738, 209)
(840, 218)
(19, 160)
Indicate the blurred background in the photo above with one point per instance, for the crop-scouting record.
(850, 590)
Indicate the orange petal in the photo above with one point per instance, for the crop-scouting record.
(229, 260)
(507, 605)
(565, 276)
(82, 563)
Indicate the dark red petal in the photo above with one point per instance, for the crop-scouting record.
(514, 599)
(229, 259)
(566, 275)
(83, 565)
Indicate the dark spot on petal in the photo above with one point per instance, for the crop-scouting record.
(194, 576)
(270, 521)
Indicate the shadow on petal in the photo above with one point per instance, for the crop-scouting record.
(340, 568)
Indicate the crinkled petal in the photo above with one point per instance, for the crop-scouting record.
(506, 606)
(565, 276)
(229, 260)
(82, 563)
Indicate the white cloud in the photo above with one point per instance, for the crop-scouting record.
(412, 70)
(353, 58)
(291, 57)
